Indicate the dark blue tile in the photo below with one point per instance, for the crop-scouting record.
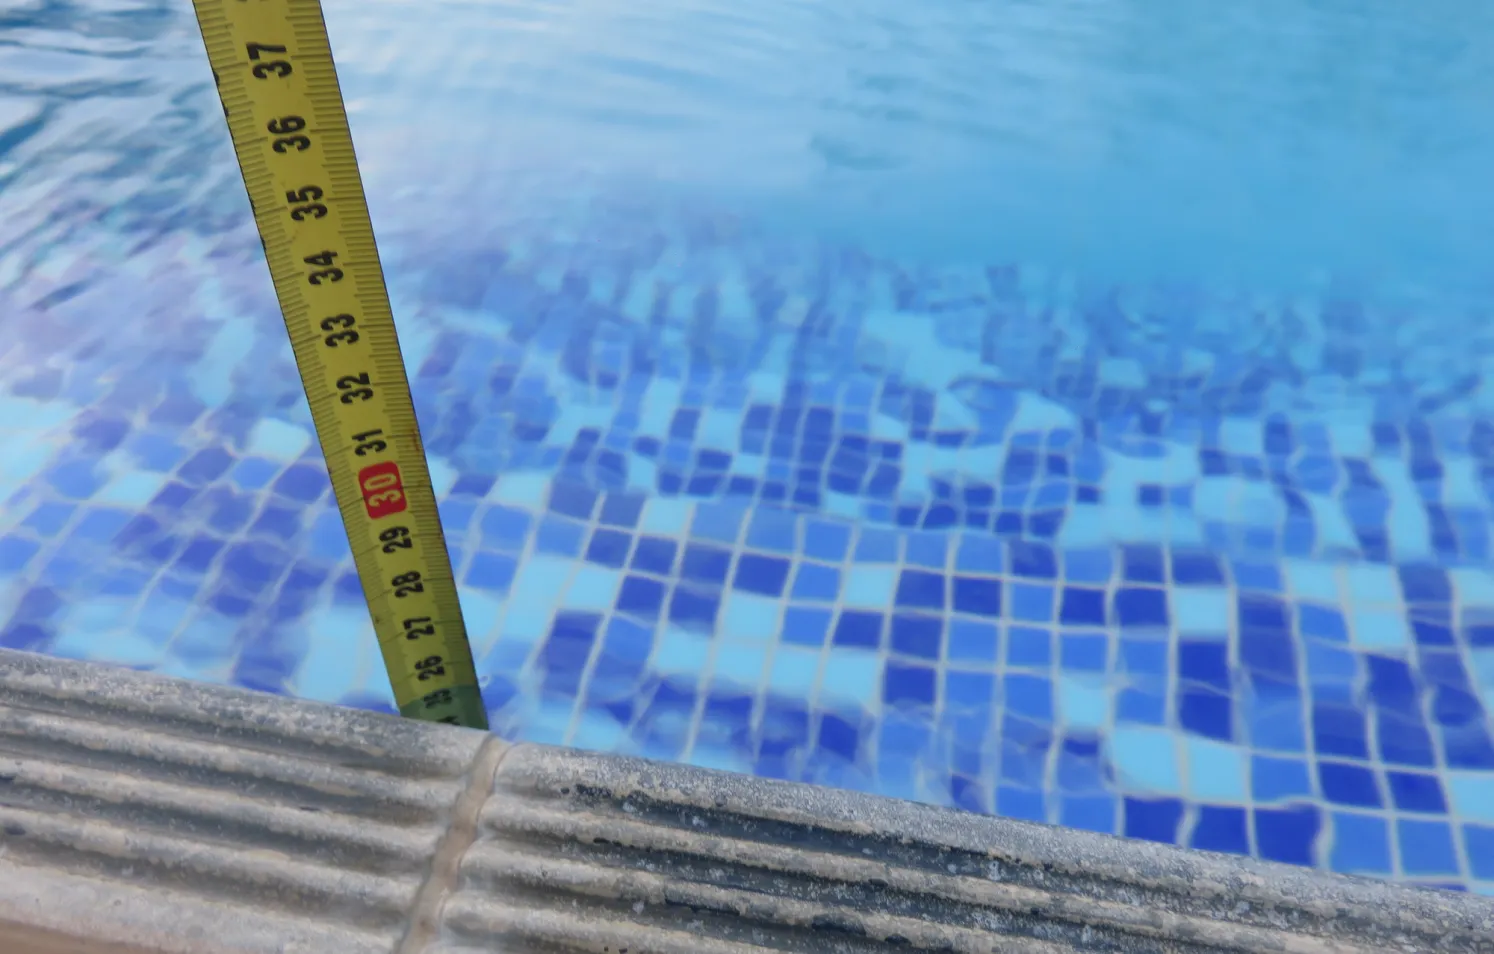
(1089, 813)
(1032, 560)
(609, 548)
(1287, 834)
(840, 737)
(905, 684)
(765, 575)
(1426, 847)
(1022, 803)
(1084, 652)
(705, 564)
(572, 500)
(621, 509)
(251, 567)
(1205, 664)
(1415, 792)
(1137, 606)
(559, 536)
(917, 635)
(1279, 779)
(205, 466)
(815, 581)
(1266, 643)
(304, 483)
(1196, 568)
(806, 625)
(1339, 730)
(628, 640)
(1206, 713)
(1402, 740)
(1322, 623)
(490, 570)
(1221, 828)
(1152, 819)
(654, 555)
(1029, 696)
(858, 628)
(1144, 564)
(1346, 784)
(969, 691)
(1081, 606)
(693, 608)
(1392, 685)
(568, 649)
(1144, 656)
(1361, 845)
(1478, 840)
(640, 595)
(919, 589)
(1425, 584)
(16, 552)
(1142, 705)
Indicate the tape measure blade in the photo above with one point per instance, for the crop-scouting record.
(273, 67)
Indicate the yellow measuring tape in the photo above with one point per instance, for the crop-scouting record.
(273, 66)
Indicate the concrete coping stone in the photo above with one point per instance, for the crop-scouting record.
(145, 814)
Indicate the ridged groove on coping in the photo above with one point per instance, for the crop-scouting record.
(217, 806)
(590, 853)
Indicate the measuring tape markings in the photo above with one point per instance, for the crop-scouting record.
(273, 67)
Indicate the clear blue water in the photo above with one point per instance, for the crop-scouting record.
(1073, 410)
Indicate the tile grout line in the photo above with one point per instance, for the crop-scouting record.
(460, 834)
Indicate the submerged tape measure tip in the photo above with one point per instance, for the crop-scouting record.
(272, 65)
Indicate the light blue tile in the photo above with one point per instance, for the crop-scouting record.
(481, 613)
(1084, 527)
(1312, 580)
(741, 664)
(1372, 584)
(596, 732)
(1473, 587)
(593, 588)
(329, 670)
(749, 617)
(1472, 796)
(851, 676)
(1216, 770)
(868, 586)
(527, 491)
(1381, 630)
(443, 476)
(161, 616)
(681, 653)
(277, 440)
(135, 489)
(1084, 703)
(794, 672)
(1147, 759)
(1238, 435)
(667, 517)
(1203, 610)
(718, 428)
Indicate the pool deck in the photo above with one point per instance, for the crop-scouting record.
(141, 813)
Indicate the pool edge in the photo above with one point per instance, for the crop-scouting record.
(140, 813)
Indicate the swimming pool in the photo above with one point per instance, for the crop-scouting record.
(1072, 410)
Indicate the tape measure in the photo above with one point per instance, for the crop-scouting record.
(273, 66)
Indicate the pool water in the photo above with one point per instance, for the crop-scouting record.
(1074, 410)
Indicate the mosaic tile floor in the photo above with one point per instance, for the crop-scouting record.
(1164, 561)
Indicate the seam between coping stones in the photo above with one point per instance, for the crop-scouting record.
(425, 913)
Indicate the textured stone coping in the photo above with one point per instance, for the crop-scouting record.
(149, 814)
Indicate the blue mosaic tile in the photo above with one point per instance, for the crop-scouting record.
(1003, 538)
